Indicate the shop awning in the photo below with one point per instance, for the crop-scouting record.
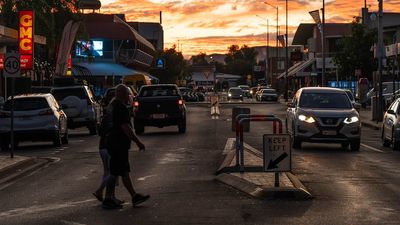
(297, 67)
(106, 69)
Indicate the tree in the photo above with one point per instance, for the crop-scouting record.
(200, 59)
(175, 66)
(356, 52)
(240, 61)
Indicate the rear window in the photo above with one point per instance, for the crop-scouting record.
(153, 91)
(269, 91)
(26, 104)
(60, 94)
(325, 100)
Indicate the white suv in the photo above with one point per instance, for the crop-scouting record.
(80, 106)
(37, 117)
(323, 115)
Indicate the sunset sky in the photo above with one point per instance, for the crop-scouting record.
(210, 26)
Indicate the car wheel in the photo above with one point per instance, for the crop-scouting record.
(139, 128)
(92, 128)
(345, 145)
(385, 142)
(182, 126)
(355, 145)
(57, 139)
(64, 139)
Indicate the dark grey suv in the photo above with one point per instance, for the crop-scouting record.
(323, 115)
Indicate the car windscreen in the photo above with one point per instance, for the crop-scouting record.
(236, 91)
(26, 104)
(153, 91)
(329, 100)
(269, 91)
(245, 88)
(60, 94)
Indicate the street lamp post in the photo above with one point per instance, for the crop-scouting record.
(277, 35)
(380, 59)
(323, 44)
(287, 56)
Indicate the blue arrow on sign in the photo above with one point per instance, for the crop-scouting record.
(160, 63)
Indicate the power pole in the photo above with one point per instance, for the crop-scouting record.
(380, 102)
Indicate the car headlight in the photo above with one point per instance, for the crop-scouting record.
(241, 95)
(251, 92)
(349, 120)
(229, 94)
(306, 119)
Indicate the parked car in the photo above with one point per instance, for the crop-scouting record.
(80, 106)
(323, 115)
(235, 93)
(391, 126)
(267, 95)
(159, 106)
(246, 90)
(37, 117)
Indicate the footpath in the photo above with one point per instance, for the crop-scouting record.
(13, 168)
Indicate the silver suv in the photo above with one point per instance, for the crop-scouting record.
(323, 115)
(80, 106)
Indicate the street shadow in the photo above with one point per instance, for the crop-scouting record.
(324, 149)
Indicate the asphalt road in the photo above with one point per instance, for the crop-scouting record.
(178, 171)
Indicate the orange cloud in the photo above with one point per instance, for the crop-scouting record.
(212, 25)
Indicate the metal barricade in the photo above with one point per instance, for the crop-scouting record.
(277, 127)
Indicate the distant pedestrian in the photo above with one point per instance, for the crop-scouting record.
(118, 144)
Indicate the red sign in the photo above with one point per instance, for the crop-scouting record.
(1, 61)
(26, 41)
(26, 62)
(26, 32)
(69, 65)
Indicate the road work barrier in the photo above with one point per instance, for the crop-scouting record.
(276, 152)
(214, 100)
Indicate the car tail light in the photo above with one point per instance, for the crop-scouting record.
(46, 112)
(136, 104)
(4, 114)
(180, 102)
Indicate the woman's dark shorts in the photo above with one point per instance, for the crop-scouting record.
(119, 162)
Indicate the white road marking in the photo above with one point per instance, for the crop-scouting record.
(42, 208)
(371, 148)
(145, 177)
(229, 145)
(71, 222)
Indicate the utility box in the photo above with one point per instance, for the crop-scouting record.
(237, 111)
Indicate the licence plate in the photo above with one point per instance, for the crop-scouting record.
(329, 132)
(158, 116)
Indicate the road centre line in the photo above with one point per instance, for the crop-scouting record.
(371, 148)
